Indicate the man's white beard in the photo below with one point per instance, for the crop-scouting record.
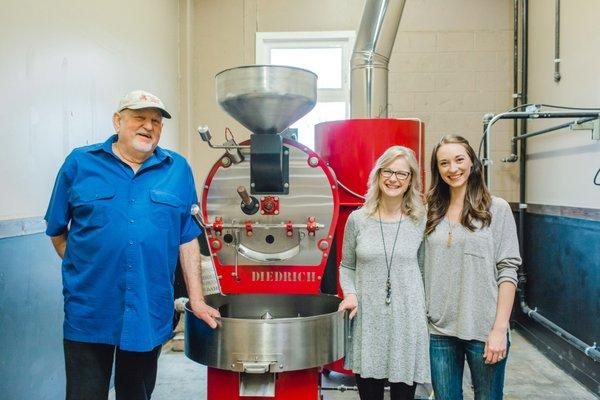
(142, 147)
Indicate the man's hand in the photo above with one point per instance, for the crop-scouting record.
(206, 313)
(189, 256)
(350, 303)
(60, 243)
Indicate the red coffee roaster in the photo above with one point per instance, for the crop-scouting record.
(274, 213)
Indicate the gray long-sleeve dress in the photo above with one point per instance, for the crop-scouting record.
(388, 341)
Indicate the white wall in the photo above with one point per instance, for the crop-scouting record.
(64, 64)
(561, 166)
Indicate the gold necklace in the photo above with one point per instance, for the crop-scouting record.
(450, 238)
(121, 155)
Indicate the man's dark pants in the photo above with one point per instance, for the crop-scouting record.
(89, 367)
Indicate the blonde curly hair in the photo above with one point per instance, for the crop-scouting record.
(412, 200)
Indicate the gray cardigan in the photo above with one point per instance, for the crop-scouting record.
(462, 279)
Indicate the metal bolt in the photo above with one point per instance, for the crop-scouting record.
(252, 184)
(313, 161)
(276, 212)
(323, 245)
(225, 161)
(286, 185)
(286, 152)
(324, 254)
(280, 366)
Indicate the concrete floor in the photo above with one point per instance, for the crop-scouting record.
(529, 376)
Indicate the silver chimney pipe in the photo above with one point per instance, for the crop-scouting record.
(371, 56)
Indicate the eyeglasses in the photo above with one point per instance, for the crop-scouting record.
(400, 175)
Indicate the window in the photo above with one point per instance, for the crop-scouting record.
(327, 54)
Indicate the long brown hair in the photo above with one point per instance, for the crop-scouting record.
(477, 198)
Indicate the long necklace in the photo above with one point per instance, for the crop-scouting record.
(388, 297)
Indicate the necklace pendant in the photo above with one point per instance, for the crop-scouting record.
(388, 297)
(449, 239)
(389, 263)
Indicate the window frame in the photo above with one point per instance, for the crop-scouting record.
(266, 41)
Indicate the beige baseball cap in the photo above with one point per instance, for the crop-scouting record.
(141, 99)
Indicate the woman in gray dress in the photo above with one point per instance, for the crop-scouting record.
(382, 282)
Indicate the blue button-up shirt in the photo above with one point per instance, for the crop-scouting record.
(123, 242)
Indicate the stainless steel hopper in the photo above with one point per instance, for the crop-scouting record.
(266, 98)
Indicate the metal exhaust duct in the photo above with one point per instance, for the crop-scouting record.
(371, 56)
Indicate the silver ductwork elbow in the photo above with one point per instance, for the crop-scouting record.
(371, 56)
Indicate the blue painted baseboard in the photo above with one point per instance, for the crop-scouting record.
(31, 315)
(562, 259)
(563, 272)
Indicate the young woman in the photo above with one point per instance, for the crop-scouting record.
(470, 274)
(382, 282)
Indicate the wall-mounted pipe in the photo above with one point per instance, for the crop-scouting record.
(371, 56)
(557, 41)
(590, 351)
(553, 128)
(571, 124)
(516, 95)
(522, 273)
(490, 119)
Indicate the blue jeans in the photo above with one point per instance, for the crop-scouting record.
(447, 356)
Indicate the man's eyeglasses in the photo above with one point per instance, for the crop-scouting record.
(400, 175)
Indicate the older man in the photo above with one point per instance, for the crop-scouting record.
(119, 216)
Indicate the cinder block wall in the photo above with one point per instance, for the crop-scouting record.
(453, 69)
